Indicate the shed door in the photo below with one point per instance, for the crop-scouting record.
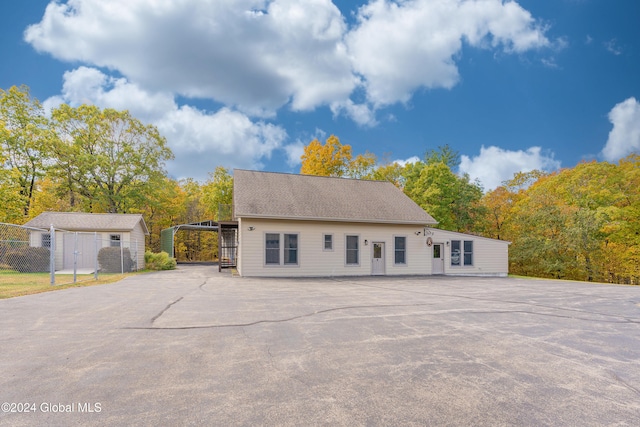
(82, 244)
(378, 259)
(438, 259)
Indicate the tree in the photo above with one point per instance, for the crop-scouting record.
(335, 159)
(579, 223)
(108, 157)
(24, 142)
(444, 154)
(392, 172)
(452, 200)
(218, 194)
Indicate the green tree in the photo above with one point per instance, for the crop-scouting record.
(451, 199)
(108, 157)
(444, 154)
(24, 143)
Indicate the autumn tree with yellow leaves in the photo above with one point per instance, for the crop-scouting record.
(335, 159)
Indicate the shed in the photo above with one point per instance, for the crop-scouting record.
(79, 236)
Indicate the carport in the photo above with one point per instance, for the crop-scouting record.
(227, 239)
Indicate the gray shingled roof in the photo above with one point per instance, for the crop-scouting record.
(280, 195)
(79, 221)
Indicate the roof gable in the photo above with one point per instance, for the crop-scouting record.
(307, 197)
(80, 221)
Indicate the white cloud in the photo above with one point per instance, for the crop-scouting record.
(257, 56)
(413, 159)
(613, 47)
(624, 138)
(294, 152)
(253, 54)
(200, 141)
(362, 114)
(495, 165)
(399, 47)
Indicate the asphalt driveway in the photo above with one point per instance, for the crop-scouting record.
(194, 347)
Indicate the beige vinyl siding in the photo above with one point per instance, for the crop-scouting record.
(490, 256)
(313, 260)
(138, 242)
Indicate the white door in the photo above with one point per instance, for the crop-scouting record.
(377, 268)
(438, 259)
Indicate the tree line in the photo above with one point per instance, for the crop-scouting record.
(580, 223)
(87, 159)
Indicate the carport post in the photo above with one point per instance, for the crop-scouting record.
(121, 258)
(52, 255)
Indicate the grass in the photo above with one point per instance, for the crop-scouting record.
(13, 284)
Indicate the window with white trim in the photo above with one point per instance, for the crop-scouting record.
(291, 249)
(327, 242)
(461, 253)
(274, 252)
(272, 249)
(400, 249)
(352, 249)
(114, 240)
(46, 240)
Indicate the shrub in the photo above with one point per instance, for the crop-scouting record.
(160, 261)
(28, 259)
(109, 260)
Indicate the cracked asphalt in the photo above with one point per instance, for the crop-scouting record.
(195, 347)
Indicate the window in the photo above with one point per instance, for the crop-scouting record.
(290, 249)
(458, 257)
(115, 240)
(274, 252)
(468, 252)
(272, 249)
(46, 240)
(436, 251)
(400, 250)
(327, 242)
(352, 250)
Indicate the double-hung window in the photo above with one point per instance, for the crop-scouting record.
(461, 252)
(327, 242)
(272, 249)
(291, 249)
(352, 255)
(46, 240)
(114, 240)
(276, 253)
(400, 249)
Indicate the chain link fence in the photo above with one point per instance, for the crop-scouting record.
(68, 256)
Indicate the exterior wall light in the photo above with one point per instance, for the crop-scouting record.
(251, 228)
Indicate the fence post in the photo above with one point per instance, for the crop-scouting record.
(95, 245)
(75, 255)
(52, 255)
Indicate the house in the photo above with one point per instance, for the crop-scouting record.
(80, 236)
(303, 225)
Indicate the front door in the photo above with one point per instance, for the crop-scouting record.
(378, 259)
(438, 259)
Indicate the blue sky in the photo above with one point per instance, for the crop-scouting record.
(512, 86)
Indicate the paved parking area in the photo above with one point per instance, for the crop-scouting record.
(194, 347)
